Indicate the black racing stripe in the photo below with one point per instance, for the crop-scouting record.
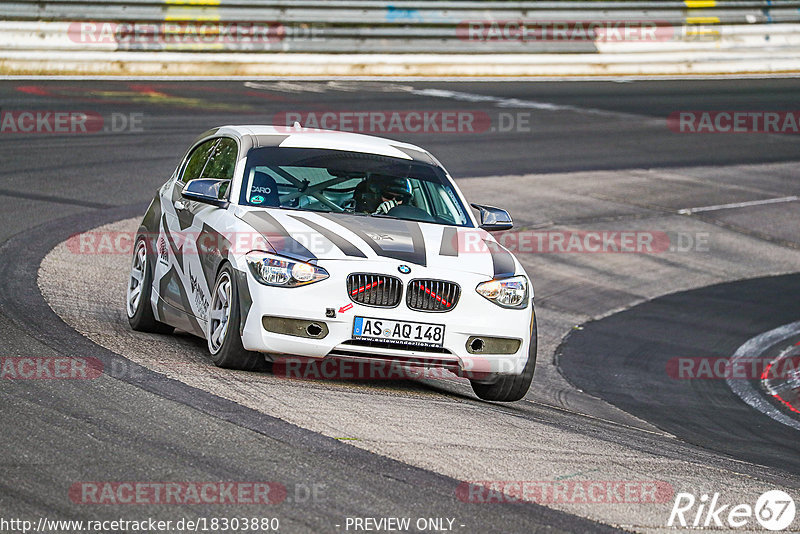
(420, 257)
(347, 248)
(178, 253)
(394, 229)
(276, 234)
(172, 291)
(153, 217)
(245, 299)
(449, 246)
(185, 217)
(415, 154)
(212, 247)
(502, 260)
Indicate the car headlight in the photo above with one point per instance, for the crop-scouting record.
(506, 292)
(273, 270)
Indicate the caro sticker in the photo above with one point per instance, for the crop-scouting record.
(258, 199)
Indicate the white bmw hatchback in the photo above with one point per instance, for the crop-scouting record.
(271, 242)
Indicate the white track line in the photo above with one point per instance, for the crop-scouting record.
(689, 211)
(503, 102)
(754, 348)
(458, 96)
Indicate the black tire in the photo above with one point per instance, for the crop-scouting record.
(231, 354)
(140, 315)
(510, 388)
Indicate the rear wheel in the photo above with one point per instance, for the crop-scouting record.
(224, 338)
(509, 388)
(140, 285)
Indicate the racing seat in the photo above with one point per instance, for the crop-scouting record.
(264, 186)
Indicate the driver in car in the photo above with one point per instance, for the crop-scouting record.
(394, 192)
(380, 193)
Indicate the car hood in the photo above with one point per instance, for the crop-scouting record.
(310, 236)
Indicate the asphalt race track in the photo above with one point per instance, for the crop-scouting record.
(705, 411)
(562, 157)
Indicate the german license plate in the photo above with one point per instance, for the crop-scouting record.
(400, 332)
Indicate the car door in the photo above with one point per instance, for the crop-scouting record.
(207, 221)
(178, 274)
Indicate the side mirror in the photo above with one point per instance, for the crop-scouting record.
(494, 219)
(207, 190)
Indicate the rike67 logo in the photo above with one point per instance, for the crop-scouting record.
(774, 510)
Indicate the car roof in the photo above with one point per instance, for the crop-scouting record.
(299, 137)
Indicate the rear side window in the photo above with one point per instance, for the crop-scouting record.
(197, 161)
(222, 160)
(216, 158)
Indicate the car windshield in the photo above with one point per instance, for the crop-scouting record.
(350, 182)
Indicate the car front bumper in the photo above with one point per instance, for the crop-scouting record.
(473, 316)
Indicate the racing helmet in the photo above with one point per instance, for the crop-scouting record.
(396, 188)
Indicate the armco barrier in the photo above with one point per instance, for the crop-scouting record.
(691, 36)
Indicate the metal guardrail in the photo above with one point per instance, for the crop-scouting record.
(66, 36)
(405, 26)
(435, 12)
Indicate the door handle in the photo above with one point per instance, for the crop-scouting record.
(181, 205)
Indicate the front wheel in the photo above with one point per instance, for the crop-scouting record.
(510, 388)
(137, 298)
(224, 338)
